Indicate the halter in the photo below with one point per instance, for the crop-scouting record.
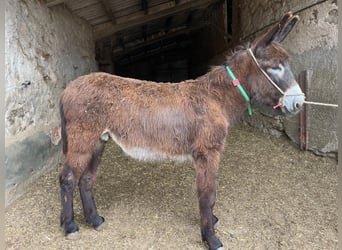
(281, 100)
(236, 83)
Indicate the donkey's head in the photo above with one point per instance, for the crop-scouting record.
(275, 81)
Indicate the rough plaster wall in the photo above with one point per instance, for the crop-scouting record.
(47, 48)
(312, 46)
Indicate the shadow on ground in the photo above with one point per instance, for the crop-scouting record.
(270, 196)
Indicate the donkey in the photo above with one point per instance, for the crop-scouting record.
(154, 121)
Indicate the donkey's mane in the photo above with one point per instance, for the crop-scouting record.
(218, 74)
(236, 53)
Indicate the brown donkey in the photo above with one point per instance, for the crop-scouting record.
(154, 121)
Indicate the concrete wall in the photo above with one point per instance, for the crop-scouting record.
(45, 49)
(312, 46)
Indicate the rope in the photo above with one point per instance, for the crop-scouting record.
(322, 104)
(265, 74)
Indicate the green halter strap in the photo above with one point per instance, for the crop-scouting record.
(236, 83)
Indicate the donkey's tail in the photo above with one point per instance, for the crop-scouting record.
(63, 127)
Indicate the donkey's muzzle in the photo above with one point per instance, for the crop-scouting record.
(293, 99)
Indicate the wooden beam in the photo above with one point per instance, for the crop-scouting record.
(144, 6)
(157, 39)
(168, 23)
(161, 50)
(106, 29)
(52, 3)
(109, 11)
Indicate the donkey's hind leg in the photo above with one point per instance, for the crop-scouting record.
(86, 185)
(78, 158)
(67, 185)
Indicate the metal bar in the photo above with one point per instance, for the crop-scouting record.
(303, 135)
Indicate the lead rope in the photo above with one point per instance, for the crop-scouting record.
(281, 91)
(322, 104)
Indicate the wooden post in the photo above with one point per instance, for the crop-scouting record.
(303, 135)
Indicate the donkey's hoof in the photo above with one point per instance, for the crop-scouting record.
(214, 244)
(97, 222)
(100, 227)
(219, 248)
(100, 223)
(72, 236)
(70, 230)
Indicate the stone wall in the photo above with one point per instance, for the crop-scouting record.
(312, 46)
(45, 49)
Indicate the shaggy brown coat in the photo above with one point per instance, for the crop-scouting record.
(155, 121)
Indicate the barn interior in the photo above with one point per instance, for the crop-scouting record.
(51, 42)
(159, 40)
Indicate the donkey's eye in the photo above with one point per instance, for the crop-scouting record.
(277, 71)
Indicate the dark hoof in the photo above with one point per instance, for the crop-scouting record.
(214, 243)
(96, 222)
(220, 248)
(70, 230)
(217, 246)
(73, 236)
(101, 226)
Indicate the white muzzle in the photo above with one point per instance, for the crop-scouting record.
(293, 100)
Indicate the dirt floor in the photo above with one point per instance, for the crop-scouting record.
(270, 196)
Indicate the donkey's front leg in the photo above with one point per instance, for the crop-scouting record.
(206, 173)
(67, 185)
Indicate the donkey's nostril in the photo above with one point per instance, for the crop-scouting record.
(293, 99)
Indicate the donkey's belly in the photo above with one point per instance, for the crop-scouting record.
(149, 154)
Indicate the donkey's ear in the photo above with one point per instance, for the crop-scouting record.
(282, 33)
(277, 32)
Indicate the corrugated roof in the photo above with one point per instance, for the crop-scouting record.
(130, 24)
(123, 14)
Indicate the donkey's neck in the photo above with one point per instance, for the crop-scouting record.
(240, 64)
(221, 88)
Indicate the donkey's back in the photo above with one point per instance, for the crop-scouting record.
(148, 120)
